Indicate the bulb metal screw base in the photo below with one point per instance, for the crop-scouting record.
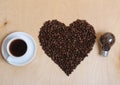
(104, 53)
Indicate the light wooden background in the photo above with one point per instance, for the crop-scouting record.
(29, 15)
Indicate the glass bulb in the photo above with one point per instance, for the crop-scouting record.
(106, 41)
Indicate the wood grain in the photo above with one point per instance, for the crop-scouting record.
(29, 15)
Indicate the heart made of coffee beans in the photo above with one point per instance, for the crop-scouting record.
(67, 46)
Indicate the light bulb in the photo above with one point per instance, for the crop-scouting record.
(106, 41)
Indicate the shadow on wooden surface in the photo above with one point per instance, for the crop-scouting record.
(97, 40)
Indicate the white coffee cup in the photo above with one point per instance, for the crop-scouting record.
(12, 57)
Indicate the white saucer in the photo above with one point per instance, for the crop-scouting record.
(32, 50)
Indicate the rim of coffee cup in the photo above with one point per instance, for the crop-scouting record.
(8, 46)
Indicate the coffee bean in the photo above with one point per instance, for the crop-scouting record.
(67, 45)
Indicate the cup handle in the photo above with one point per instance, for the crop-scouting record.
(9, 59)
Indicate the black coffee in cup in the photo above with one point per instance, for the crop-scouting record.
(18, 47)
